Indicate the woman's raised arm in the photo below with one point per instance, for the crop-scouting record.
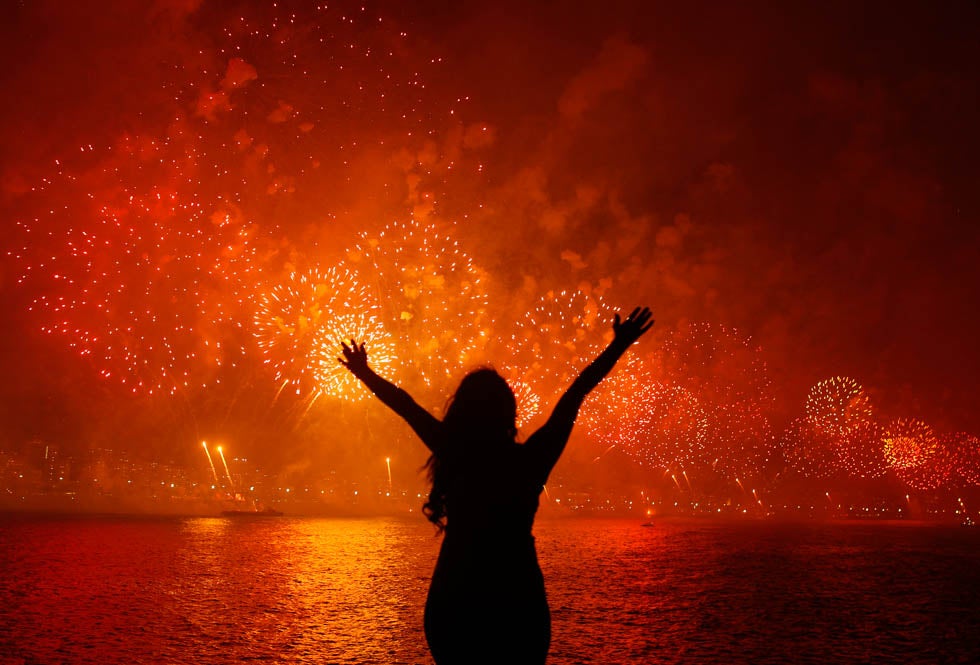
(424, 423)
(548, 443)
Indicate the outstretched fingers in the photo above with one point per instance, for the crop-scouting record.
(638, 322)
(355, 354)
(645, 320)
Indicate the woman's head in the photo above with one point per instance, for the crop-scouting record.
(482, 411)
(483, 404)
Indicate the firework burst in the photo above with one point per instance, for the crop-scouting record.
(149, 284)
(935, 471)
(726, 373)
(809, 450)
(965, 449)
(561, 334)
(861, 450)
(144, 249)
(908, 443)
(656, 424)
(432, 296)
(675, 426)
(528, 402)
(299, 324)
(330, 376)
(837, 404)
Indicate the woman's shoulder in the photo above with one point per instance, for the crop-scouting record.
(543, 433)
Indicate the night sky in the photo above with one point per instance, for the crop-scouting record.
(799, 181)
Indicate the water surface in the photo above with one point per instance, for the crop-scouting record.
(305, 590)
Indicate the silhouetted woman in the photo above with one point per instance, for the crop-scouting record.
(487, 601)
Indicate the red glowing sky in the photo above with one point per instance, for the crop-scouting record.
(807, 176)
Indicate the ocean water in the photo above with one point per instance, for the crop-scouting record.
(311, 590)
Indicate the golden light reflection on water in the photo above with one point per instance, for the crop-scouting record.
(346, 588)
(206, 526)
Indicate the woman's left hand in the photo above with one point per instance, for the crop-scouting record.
(638, 322)
(355, 357)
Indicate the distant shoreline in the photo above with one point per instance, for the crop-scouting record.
(9, 514)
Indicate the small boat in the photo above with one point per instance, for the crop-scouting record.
(265, 512)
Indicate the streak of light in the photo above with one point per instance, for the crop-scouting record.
(221, 454)
(210, 461)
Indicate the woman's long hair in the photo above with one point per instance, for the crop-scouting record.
(483, 410)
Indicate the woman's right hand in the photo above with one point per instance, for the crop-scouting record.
(638, 322)
(355, 357)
